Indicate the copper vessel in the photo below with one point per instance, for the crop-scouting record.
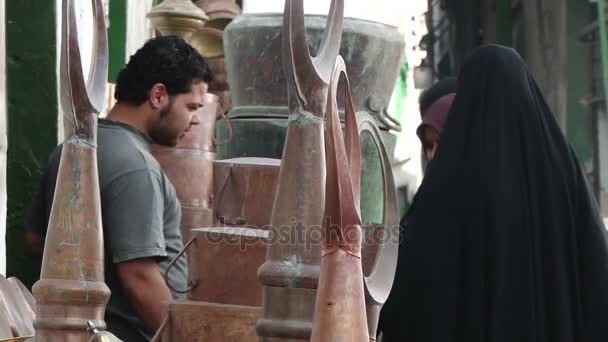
(290, 274)
(219, 9)
(71, 290)
(195, 321)
(189, 166)
(244, 190)
(219, 86)
(222, 260)
(177, 17)
(223, 296)
(209, 41)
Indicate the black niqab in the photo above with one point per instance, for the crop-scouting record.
(503, 242)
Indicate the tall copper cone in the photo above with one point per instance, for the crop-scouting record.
(340, 312)
(71, 290)
(290, 274)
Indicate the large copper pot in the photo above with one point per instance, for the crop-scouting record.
(195, 321)
(244, 191)
(222, 260)
(224, 297)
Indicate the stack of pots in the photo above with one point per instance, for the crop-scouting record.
(189, 166)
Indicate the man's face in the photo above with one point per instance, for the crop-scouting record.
(429, 139)
(178, 116)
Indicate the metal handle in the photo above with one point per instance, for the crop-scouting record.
(390, 122)
(190, 288)
(228, 124)
(237, 221)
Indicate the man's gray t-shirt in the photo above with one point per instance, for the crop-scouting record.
(140, 216)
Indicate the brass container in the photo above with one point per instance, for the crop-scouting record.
(177, 17)
(209, 41)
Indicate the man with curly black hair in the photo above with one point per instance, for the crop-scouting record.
(158, 95)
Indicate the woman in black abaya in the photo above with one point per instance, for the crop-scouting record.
(503, 242)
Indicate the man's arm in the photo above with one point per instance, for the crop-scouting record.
(146, 289)
(36, 220)
(133, 209)
(34, 242)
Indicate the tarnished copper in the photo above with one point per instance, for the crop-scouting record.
(340, 305)
(290, 274)
(223, 296)
(194, 321)
(379, 250)
(223, 260)
(71, 290)
(244, 190)
(15, 312)
(219, 86)
(189, 166)
(219, 9)
(6, 332)
(27, 295)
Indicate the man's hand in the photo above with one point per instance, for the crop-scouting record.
(146, 289)
(34, 243)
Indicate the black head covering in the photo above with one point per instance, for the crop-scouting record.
(503, 241)
(438, 90)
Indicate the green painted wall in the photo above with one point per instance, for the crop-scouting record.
(117, 32)
(504, 25)
(32, 107)
(31, 114)
(579, 129)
